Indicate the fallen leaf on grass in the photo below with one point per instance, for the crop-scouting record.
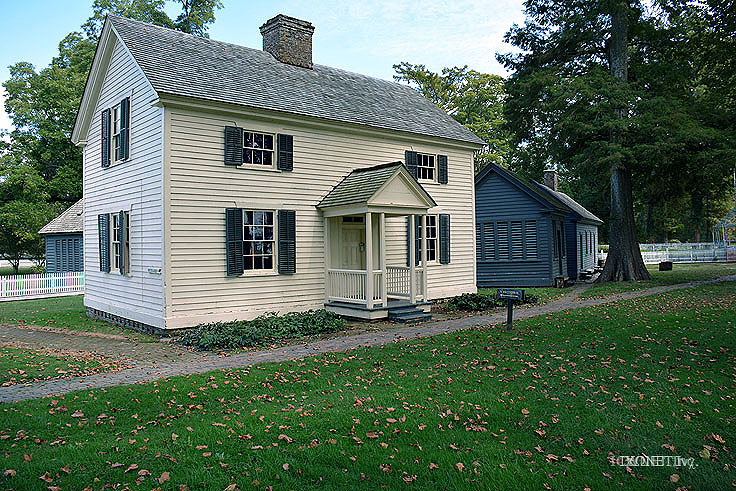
(674, 478)
(460, 467)
(9, 473)
(131, 467)
(164, 477)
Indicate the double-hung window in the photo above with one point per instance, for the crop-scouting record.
(431, 238)
(426, 168)
(258, 149)
(115, 243)
(115, 140)
(258, 240)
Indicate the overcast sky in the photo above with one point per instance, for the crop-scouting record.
(364, 36)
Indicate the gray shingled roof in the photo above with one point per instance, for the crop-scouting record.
(360, 185)
(70, 221)
(570, 203)
(184, 65)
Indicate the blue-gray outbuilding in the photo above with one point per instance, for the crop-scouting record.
(64, 241)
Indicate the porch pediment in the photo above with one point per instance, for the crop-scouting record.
(387, 188)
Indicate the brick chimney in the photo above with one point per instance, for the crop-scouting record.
(550, 179)
(289, 40)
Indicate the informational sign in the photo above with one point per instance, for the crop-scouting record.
(510, 295)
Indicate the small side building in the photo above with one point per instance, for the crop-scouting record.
(520, 232)
(64, 240)
(581, 229)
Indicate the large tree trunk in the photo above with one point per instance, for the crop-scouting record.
(624, 261)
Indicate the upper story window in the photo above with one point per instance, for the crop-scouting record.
(115, 137)
(258, 148)
(115, 142)
(426, 167)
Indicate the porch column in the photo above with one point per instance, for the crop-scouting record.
(424, 258)
(412, 258)
(384, 273)
(369, 260)
(327, 258)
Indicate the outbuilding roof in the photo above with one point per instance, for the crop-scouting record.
(570, 203)
(181, 64)
(70, 221)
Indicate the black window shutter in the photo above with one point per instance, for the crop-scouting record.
(105, 140)
(233, 146)
(125, 129)
(410, 160)
(234, 241)
(287, 241)
(285, 159)
(444, 238)
(103, 235)
(442, 169)
(123, 242)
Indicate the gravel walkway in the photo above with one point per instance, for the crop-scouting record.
(195, 363)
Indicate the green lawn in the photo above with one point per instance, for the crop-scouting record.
(543, 405)
(681, 273)
(62, 313)
(25, 365)
(545, 295)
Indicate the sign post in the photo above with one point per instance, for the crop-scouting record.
(510, 295)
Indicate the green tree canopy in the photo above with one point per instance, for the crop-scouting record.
(474, 99)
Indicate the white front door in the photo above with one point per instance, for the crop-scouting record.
(352, 245)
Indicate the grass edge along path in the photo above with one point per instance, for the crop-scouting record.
(288, 352)
(545, 405)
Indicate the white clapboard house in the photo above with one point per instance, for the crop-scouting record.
(222, 182)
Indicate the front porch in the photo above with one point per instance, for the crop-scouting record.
(359, 282)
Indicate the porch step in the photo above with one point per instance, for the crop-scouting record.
(409, 314)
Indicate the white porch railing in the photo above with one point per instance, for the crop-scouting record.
(349, 285)
(346, 285)
(397, 281)
(18, 287)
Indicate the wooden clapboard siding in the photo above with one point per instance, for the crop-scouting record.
(500, 200)
(200, 187)
(135, 185)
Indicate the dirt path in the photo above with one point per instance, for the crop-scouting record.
(172, 363)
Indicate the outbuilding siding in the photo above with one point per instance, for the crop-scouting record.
(499, 200)
(135, 185)
(64, 253)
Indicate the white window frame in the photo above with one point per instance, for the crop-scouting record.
(115, 120)
(273, 240)
(262, 149)
(434, 239)
(421, 157)
(116, 244)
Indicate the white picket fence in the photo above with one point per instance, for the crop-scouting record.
(685, 253)
(27, 286)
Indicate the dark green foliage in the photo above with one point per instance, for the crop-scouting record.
(474, 99)
(678, 139)
(477, 301)
(265, 329)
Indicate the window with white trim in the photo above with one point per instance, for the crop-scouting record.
(258, 240)
(258, 149)
(117, 241)
(115, 140)
(426, 168)
(431, 238)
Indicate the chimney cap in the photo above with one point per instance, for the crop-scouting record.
(285, 20)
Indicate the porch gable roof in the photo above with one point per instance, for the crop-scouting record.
(385, 185)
